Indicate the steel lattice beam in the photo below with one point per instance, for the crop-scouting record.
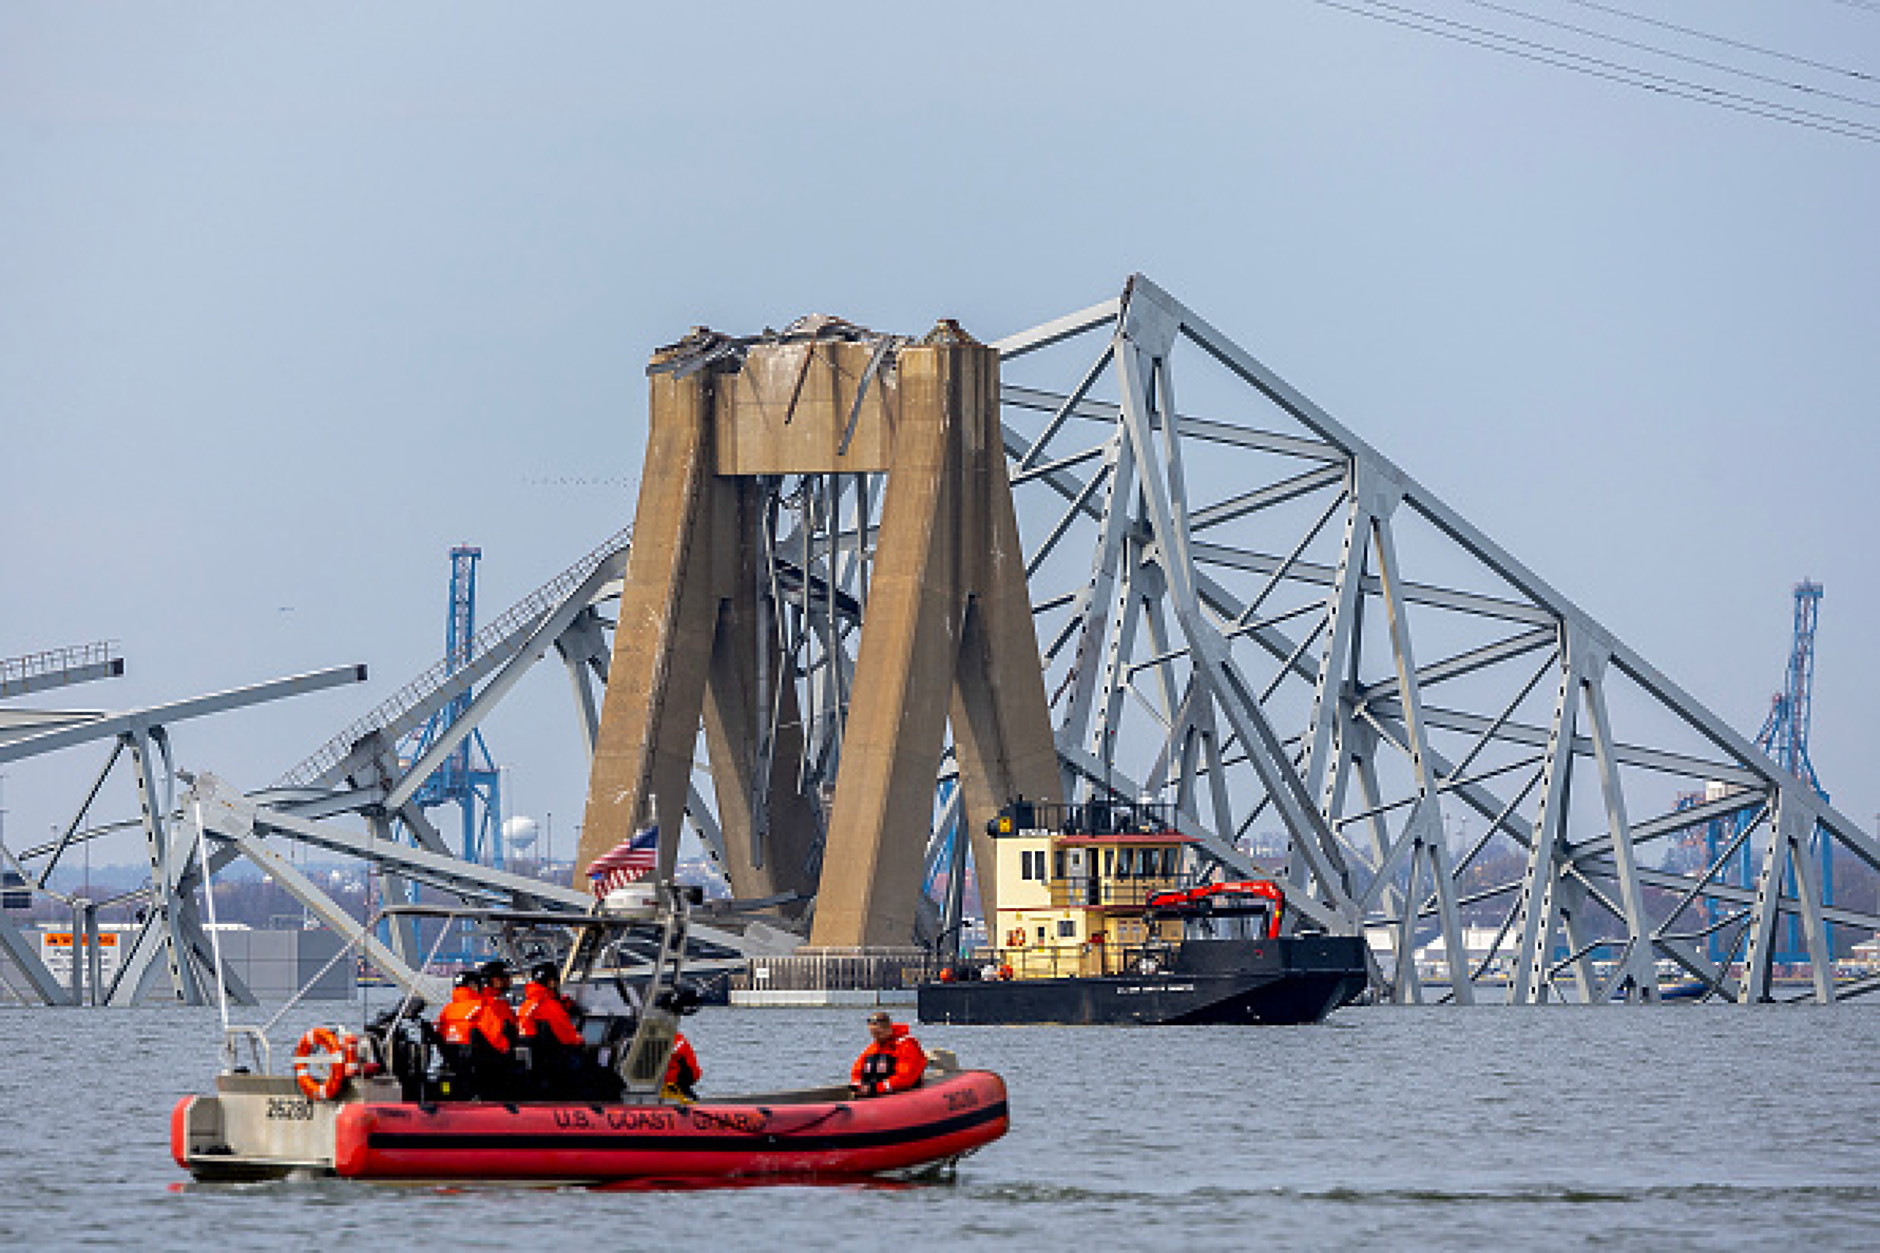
(1592, 903)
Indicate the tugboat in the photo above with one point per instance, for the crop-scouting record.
(382, 1103)
(1103, 918)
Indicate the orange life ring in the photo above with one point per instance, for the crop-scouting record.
(335, 1050)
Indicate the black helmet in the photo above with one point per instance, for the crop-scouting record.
(495, 968)
(542, 972)
(469, 979)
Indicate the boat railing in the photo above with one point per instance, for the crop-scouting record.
(836, 969)
(1058, 961)
(1085, 891)
(260, 1052)
(1095, 817)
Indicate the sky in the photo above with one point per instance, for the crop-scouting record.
(295, 297)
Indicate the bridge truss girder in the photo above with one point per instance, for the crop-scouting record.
(171, 932)
(1266, 578)
(1245, 560)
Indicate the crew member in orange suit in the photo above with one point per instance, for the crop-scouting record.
(554, 1043)
(495, 976)
(545, 1009)
(893, 1062)
(458, 1018)
(473, 1041)
(683, 1071)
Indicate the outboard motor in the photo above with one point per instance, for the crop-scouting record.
(406, 1044)
(409, 1056)
(680, 999)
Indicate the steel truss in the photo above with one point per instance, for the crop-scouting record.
(1226, 608)
(359, 772)
(171, 934)
(356, 777)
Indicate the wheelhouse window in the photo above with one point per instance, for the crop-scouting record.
(1235, 926)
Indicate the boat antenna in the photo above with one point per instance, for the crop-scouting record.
(215, 930)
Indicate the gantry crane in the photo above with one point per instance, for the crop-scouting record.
(1784, 736)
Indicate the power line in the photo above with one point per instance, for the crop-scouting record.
(1681, 56)
(1594, 67)
(1705, 88)
(1869, 5)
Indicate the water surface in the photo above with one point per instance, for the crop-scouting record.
(1672, 1127)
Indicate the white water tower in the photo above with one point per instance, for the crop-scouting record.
(519, 832)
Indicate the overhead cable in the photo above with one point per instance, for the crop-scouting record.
(1870, 5)
(1594, 67)
(1667, 53)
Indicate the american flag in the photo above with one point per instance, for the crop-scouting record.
(627, 861)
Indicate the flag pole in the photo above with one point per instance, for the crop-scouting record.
(652, 803)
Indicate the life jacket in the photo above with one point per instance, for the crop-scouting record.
(894, 1066)
(683, 1070)
(544, 1011)
(501, 1012)
(469, 1018)
(458, 1021)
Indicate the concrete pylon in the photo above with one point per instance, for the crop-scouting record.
(947, 632)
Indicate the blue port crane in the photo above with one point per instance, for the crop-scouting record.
(1784, 736)
(468, 777)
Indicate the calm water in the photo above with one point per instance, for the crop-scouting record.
(1677, 1127)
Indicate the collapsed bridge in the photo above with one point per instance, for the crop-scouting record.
(898, 582)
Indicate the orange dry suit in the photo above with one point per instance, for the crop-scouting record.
(543, 1010)
(501, 1013)
(894, 1066)
(475, 1044)
(557, 1064)
(467, 1017)
(683, 1071)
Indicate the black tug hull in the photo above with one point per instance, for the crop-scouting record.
(1281, 982)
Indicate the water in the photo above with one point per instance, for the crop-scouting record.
(1678, 1127)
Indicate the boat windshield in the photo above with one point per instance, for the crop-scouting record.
(1241, 924)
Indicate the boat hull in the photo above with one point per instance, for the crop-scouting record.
(791, 1135)
(1279, 982)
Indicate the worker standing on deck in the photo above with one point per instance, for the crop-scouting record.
(893, 1062)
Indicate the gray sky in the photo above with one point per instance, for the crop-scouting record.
(294, 297)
